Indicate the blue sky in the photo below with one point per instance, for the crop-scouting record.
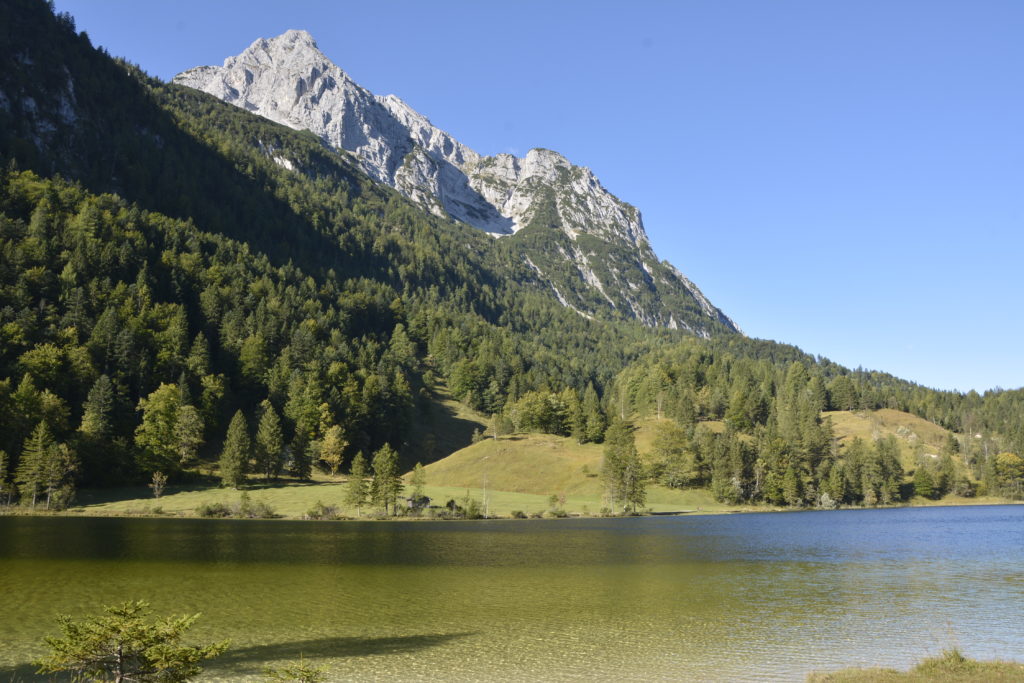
(847, 177)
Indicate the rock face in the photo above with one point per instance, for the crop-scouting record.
(586, 244)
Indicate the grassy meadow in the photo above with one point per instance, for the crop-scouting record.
(518, 472)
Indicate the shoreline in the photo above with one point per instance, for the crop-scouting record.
(82, 512)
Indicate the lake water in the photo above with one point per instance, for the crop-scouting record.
(742, 597)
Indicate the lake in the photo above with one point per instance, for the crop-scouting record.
(743, 597)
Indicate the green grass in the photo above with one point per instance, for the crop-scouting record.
(528, 468)
(908, 429)
(950, 666)
(519, 472)
(288, 498)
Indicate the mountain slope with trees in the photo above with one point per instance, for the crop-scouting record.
(163, 275)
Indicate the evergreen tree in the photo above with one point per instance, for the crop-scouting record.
(924, 483)
(356, 491)
(792, 490)
(31, 474)
(98, 409)
(234, 458)
(269, 449)
(386, 481)
(622, 471)
(593, 416)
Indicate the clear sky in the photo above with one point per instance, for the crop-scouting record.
(845, 176)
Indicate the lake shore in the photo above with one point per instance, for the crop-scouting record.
(299, 500)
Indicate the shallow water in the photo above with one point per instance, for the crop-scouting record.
(743, 597)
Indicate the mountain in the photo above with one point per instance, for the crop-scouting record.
(168, 261)
(587, 245)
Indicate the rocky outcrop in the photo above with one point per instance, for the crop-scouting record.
(586, 234)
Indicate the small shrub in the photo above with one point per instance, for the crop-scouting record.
(322, 512)
(518, 514)
(214, 510)
(257, 510)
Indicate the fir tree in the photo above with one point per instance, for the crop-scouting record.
(98, 408)
(269, 442)
(386, 482)
(31, 473)
(356, 491)
(234, 458)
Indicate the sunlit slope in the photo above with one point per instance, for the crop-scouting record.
(914, 434)
(543, 464)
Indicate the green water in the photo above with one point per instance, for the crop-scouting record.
(748, 597)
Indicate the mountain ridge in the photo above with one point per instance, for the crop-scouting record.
(289, 80)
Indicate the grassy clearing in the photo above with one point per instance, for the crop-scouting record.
(911, 432)
(535, 466)
(519, 472)
(949, 667)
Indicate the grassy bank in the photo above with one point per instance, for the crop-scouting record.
(950, 666)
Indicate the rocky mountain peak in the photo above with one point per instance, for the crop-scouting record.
(289, 80)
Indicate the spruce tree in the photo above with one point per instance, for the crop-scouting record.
(355, 492)
(234, 459)
(593, 417)
(31, 473)
(622, 471)
(269, 442)
(386, 483)
(98, 408)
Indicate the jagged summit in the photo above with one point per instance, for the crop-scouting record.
(592, 248)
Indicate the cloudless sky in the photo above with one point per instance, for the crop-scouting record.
(846, 176)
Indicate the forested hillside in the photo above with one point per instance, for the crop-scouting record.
(170, 264)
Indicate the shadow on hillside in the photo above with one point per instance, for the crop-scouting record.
(437, 432)
(253, 659)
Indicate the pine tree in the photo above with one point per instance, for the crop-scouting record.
(269, 442)
(234, 459)
(355, 493)
(386, 483)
